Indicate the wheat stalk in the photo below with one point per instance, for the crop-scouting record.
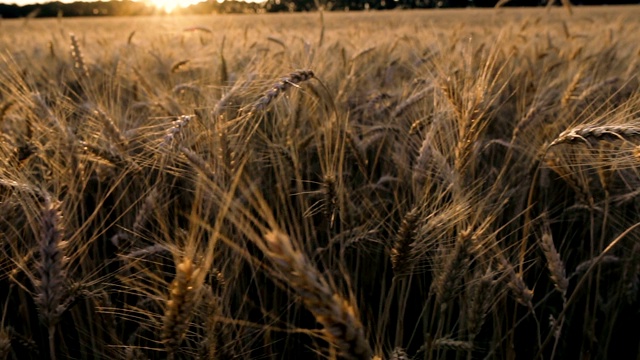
(631, 278)
(335, 313)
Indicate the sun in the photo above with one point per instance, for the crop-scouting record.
(170, 5)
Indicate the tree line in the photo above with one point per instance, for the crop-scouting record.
(121, 8)
(132, 8)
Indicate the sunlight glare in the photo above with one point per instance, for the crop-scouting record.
(170, 5)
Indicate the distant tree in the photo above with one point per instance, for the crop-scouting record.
(290, 5)
(9, 11)
(79, 8)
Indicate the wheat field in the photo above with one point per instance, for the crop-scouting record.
(445, 184)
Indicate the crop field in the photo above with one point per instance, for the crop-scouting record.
(444, 184)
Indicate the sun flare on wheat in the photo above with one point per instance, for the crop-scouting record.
(170, 5)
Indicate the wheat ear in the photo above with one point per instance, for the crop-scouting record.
(353, 144)
(410, 101)
(78, 59)
(111, 129)
(110, 156)
(399, 354)
(130, 37)
(329, 198)
(592, 134)
(431, 163)
(515, 282)
(182, 298)
(401, 251)
(281, 86)
(178, 64)
(198, 163)
(571, 178)
(554, 263)
(198, 28)
(588, 94)
(5, 344)
(50, 286)
(176, 129)
(217, 342)
(4, 109)
(452, 344)
(532, 116)
(446, 284)
(224, 73)
(339, 318)
(584, 266)
(146, 210)
(571, 88)
(182, 89)
(479, 304)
